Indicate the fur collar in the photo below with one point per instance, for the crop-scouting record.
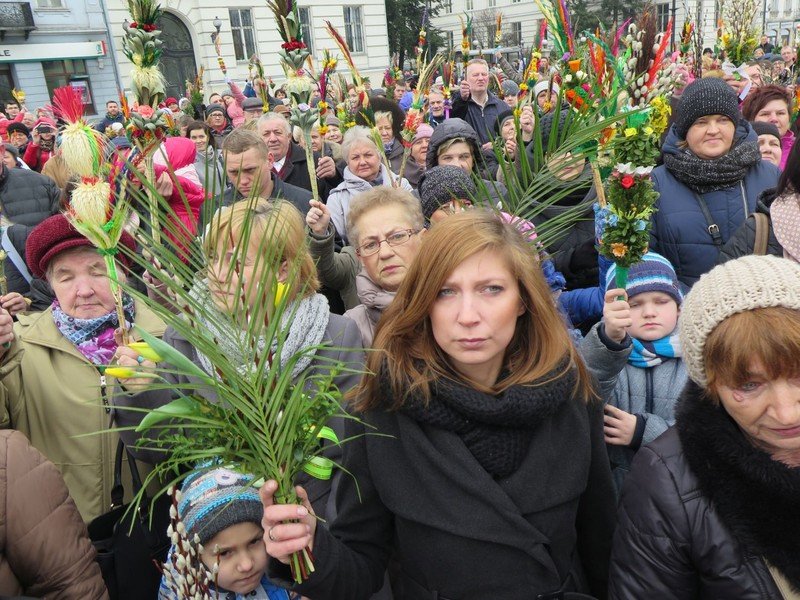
(756, 497)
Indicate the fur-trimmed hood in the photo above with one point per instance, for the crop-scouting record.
(756, 497)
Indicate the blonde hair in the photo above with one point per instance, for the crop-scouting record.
(384, 114)
(274, 231)
(381, 197)
(406, 351)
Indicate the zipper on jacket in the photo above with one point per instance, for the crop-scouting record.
(103, 395)
(744, 199)
(648, 397)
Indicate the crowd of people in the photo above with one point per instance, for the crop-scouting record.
(544, 433)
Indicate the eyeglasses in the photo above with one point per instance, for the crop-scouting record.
(396, 239)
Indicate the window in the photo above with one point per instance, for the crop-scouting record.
(244, 37)
(305, 27)
(450, 40)
(516, 33)
(354, 28)
(447, 6)
(49, 4)
(492, 3)
(662, 16)
(470, 5)
(60, 73)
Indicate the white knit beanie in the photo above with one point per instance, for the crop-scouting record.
(736, 286)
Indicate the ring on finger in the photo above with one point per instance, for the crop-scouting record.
(270, 536)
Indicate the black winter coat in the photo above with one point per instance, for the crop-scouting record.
(574, 253)
(701, 509)
(457, 533)
(743, 241)
(26, 199)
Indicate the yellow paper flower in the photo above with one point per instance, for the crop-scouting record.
(144, 349)
(630, 132)
(647, 130)
(523, 87)
(619, 250)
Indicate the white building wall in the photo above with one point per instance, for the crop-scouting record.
(199, 16)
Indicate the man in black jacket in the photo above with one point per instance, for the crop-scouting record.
(476, 104)
(26, 199)
(248, 166)
(290, 164)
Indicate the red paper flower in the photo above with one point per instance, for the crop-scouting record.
(627, 181)
(293, 45)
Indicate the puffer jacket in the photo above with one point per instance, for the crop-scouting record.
(650, 393)
(50, 392)
(26, 199)
(339, 198)
(45, 551)
(701, 510)
(743, 241)
(680, 231)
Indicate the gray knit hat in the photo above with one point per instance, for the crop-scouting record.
(736, 286)
(252, 104)
(440, 185)
(703, 97)
(212, 108)
(764, 128)
(212, 501)
(510, 88)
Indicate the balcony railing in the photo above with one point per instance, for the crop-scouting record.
(16, 17)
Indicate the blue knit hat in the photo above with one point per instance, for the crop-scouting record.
(654, 274)
(212, 501)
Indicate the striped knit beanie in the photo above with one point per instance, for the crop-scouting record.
(654, 274)
(212, 501)
(736, 286)
(708, 96)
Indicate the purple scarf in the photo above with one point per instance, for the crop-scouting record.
(94, 338)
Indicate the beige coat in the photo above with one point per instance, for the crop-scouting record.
(45, 551)
(53, 395)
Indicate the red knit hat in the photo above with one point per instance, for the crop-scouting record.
(169, 101)
(45, 121)
(56, 234)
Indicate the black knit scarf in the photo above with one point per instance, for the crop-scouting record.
(497, 430)
(703, 176)
(756, 497)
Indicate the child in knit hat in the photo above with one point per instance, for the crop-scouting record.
(635, 355)
(225, 511)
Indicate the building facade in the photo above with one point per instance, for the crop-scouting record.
(46, 44)
(782, 21)
(245, 29)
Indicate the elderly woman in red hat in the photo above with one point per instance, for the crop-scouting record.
(52, 386)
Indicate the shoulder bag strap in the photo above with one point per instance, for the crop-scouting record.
(761, 243)
(16, 259)
(713, 228)
(117, 490)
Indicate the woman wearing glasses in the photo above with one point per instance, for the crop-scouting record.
(385, 227)
(488, 476)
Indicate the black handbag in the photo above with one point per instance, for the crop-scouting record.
(130, 558)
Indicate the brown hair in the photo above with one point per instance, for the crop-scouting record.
(770, 336)
(760, 97)
(406, 351)
(274, 230)
(57, 170)
(240, 141)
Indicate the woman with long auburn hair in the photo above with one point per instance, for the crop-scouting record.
(479, 461)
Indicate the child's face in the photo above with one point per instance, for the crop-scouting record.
(242, 557)
(654, 315)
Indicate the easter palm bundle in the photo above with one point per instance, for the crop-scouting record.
(250, 399)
